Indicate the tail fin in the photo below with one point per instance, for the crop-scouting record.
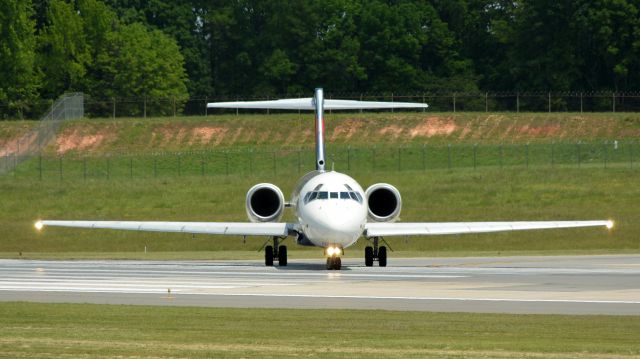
(318, 104)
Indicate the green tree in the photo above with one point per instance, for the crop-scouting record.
(19, 78)
(142, 63)
(63, 53)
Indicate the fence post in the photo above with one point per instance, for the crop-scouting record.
(392, 101)
(424, 157)
(454, 102)
(475, 155)
(580, 102)
(206, 109)
(549, 101)
(173, 100)
(144, 107)
(114, 108)
(613, 102)
(517, 102)
(226, 162)
(486, 102)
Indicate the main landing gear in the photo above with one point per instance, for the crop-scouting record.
(374, 253)
(275, 251)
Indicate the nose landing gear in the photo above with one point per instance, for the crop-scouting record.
(374, 253)
(333, 258)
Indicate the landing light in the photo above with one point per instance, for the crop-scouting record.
(39, 225)
(333, 251)
(609, 224)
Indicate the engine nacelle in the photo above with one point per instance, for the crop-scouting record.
(265, 203)
(384, 202)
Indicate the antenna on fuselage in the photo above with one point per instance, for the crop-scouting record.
(318, 104)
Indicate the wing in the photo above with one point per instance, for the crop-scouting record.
(228, 228)
(375, 229)
(307, 104)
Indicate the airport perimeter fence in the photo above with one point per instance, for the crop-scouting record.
(587, 155)
(68, 107)
(439, 101)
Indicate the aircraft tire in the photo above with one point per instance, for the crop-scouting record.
(382, 256)
(329, 263)
(337, 263)
(282, 256)
(268, 256)
(368, 256)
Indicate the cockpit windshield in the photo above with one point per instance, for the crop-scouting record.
(323, 195)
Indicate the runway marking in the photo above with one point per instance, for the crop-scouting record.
(177, 292)
(325, 296)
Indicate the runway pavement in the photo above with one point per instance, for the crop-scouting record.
(561, 285)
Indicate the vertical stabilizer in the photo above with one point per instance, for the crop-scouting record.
(318, 103)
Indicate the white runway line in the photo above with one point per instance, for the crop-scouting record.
(423, 298)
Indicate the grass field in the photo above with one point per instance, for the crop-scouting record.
(500, 166)
(461, 195)
(100, 331)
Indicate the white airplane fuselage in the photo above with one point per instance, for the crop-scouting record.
(331, 209)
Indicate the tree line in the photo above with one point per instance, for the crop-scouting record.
(196, 48)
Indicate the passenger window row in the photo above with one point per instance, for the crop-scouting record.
(311, 196)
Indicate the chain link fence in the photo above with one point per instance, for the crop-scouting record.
(296, 161)
(514, 101)
(68, 107)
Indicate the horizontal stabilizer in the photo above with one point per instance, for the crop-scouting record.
(307, 104)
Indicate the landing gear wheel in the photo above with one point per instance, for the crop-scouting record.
(268, 256)
(334, 263)
(282, 256)
(368, 256)
(382, 256)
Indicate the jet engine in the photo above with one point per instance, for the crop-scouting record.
(384, 202)
(265, 203)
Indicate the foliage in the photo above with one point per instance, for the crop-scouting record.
(250, 47)
(19, 78)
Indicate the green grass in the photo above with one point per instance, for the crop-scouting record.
(459, 195)
(97, 331)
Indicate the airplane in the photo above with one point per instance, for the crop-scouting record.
(332, 210)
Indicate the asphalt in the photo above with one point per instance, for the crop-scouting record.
(608, 284)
